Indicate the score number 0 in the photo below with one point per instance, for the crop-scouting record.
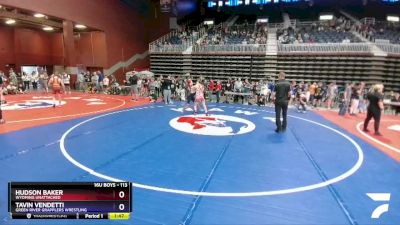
(121, 206)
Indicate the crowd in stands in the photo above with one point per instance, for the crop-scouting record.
(241, 34)
(179, 37)
(337, 30)
(333, 31)
(383, 30)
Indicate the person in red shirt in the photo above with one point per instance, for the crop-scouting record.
(56, 83)
(211, 87)
(218, 90)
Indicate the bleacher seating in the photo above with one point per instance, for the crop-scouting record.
(335, 31)
(241, 34)
(381, 30)
(311, 51)
(392, 35)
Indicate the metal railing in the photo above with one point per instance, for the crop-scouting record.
(276, 25)
(389, 48)
(230, 48)
(160, 48)
(325, 47)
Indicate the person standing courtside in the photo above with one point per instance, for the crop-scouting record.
(166, 87)
(375, 108)
(133, 80)
(281, 99)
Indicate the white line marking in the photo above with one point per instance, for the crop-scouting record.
(72, 115)
(345, 175)
(375, 140)
(395, 127)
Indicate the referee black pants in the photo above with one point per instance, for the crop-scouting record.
(281, 107)
(376, 114)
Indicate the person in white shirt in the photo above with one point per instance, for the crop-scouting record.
(106, 83)
(66, 80)
(43, 81)
(81, 82)
(26, 78)
(95, 83)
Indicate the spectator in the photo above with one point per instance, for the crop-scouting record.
(27, 80)
(106, 83)
(331, 94)
(81, 82)
(34, 79)
(166, 87)
(133, 81)
(43, 81)
(66, 80)
(95, 83)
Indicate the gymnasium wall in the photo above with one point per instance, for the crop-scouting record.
(126, 33)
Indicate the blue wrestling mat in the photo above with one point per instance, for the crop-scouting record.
(227, 168)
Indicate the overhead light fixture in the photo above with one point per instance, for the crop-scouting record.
(262, 20)
(208, 22)
(393, 18)
(48, 28)
(80, 26)
(39, 15)
(326, 17)
(10, 21)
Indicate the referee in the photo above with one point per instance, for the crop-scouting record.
(281, 99)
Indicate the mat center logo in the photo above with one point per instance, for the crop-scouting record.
(29, 104)
(214, 125)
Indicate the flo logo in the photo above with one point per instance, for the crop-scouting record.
(380, 197)
(215, 125)
(29, 104)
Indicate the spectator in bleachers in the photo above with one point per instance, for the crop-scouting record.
(381, 30)
(335, 31)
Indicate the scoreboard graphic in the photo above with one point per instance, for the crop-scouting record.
(66, 200)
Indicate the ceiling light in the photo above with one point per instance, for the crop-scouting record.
(326, 17)
(39, 15)
(208, 22)
(47, 28)
(80, 26)
(10, 21)
(393, 18)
